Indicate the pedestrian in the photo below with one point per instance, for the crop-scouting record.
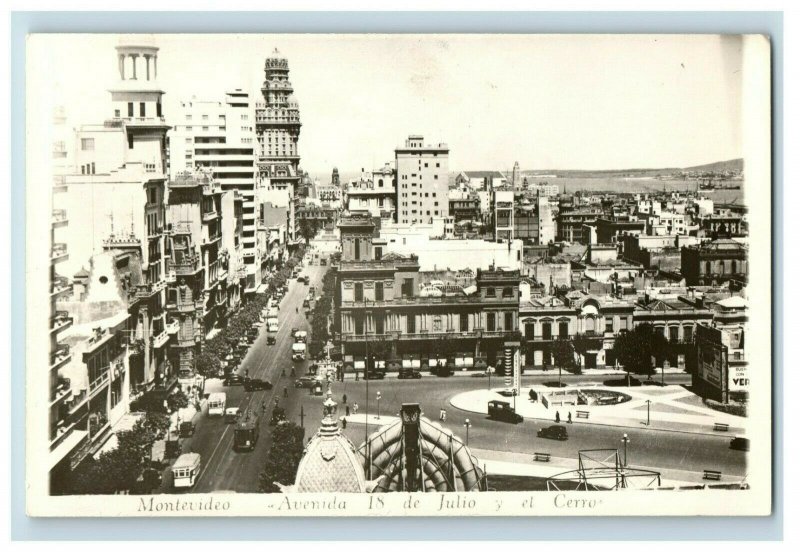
(283, 372)
(344, 398)
(442, 415)
(569, 417)
(355, 408)
(347, 410)
(558, 417)
(247, 373)
(263, 407)
(344, 423)
(285, 391)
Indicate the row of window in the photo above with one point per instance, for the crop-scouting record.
(492, 319)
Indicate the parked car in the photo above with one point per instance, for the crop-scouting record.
(557, 432)
(256, 384)
(234, 379)
(186, 429)
(271, 339)
(278, 415)
(409, 374)
(740, 443)
(323, 261)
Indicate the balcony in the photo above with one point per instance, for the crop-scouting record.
(59, 218)
(61, 393)
(61, 321)
(209, 216)
(59, 183)
(171, 277)
(425, 301)
(58, 253)
(144, 291)
(60, 286)
(61, 356)
(187, 266)
(99, 383)
(425, 335)
(212, 239)
(160, 339)
(173, 327)
(67, 439)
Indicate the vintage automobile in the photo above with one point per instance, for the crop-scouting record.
(234, 379)
(256, 384)
(278, 415)
(557, 432)
(306, 382)
(409, 373)
(503, 412)
(186, 429)
(232, 414)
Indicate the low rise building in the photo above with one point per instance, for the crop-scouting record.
(382, 310)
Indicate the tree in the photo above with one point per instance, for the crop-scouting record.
(308, 229)
(283, 457)
(635, 349)
(177, 400)
(208, 364)
(563, 356)
(118, 470)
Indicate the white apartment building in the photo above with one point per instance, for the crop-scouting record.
(422, 181)
(220, 136)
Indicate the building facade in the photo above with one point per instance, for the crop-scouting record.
(422, 181)
(277, 133)
(220, 137)
(381, 310)
(715, 262)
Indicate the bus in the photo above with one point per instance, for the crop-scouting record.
(216, 404)
(298, 351)
(185, 470)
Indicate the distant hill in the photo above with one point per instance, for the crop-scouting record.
(732, 165)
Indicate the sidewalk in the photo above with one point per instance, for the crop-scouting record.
(540, 372)
(669, 410)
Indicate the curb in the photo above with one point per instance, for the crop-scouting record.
(650, 428)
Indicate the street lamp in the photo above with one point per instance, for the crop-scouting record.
(625, 441)
(648, 401)
(467, 425)
(378, 397)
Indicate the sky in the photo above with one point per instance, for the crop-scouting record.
(546, 101)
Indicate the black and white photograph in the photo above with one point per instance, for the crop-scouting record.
(398, 275)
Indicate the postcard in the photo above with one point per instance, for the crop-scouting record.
(398, 275)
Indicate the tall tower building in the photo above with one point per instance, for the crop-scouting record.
(422, 181)
(277, 132)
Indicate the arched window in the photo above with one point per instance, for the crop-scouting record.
(733, 267)
(708, 267)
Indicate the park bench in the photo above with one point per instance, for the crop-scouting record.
(712, 475)
(582, 414)
(541, 456)
(720, 427)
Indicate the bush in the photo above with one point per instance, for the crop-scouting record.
(735, 408)
(283, 457)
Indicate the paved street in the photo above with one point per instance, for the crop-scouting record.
(222, 467)
(648, 448)
(227, 470)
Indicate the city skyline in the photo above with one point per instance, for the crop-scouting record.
(662, 101)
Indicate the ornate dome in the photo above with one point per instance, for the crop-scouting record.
(329, 464)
